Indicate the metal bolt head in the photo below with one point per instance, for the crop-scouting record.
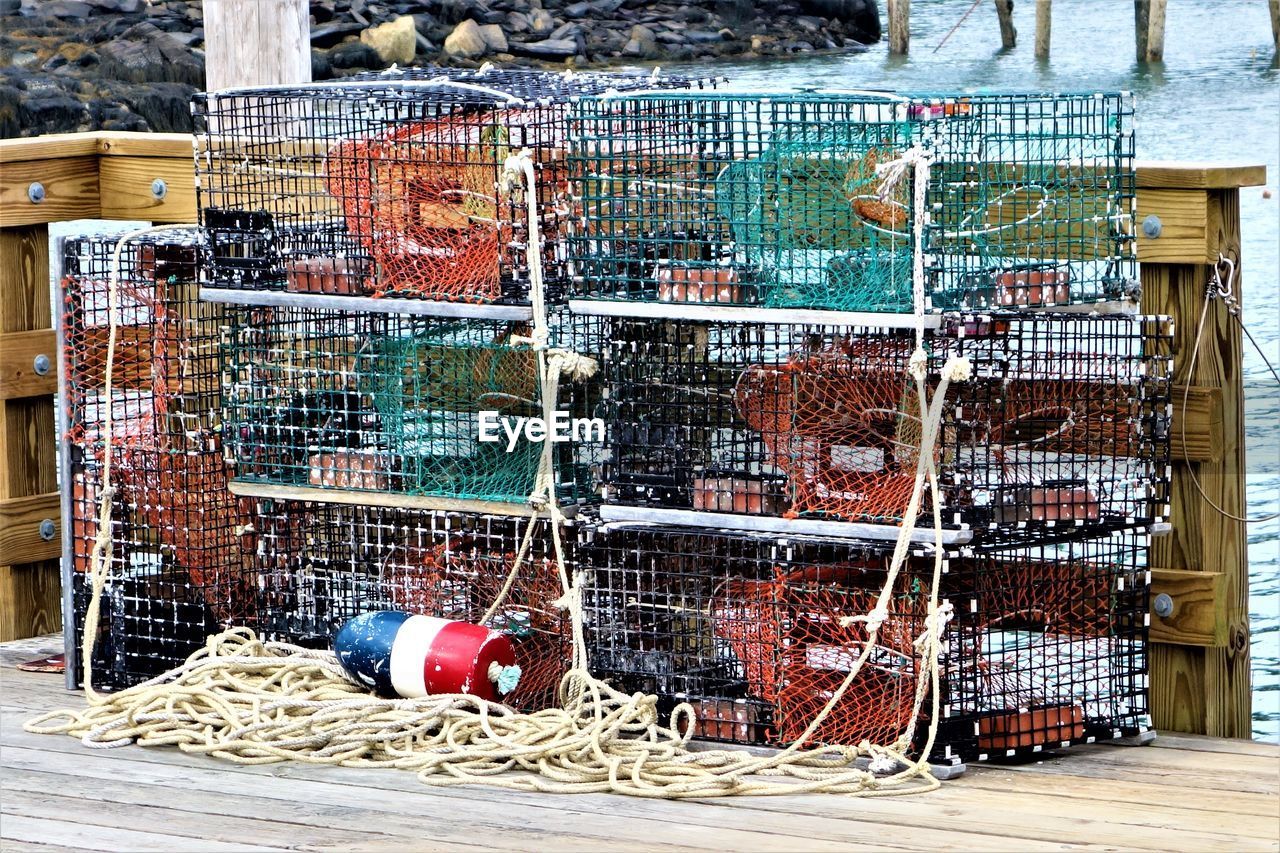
(35, 192)
(159, 189)
(1163, 605)
(41, 365)
(1152, 226)
(48, 529)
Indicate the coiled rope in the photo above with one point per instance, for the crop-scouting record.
(253, 702)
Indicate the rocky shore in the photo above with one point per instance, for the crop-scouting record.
(76, 65)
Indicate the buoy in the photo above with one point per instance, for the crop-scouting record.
(399, 654)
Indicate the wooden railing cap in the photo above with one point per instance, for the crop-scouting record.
(1180, 174)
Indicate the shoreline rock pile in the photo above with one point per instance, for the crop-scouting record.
(77, 65)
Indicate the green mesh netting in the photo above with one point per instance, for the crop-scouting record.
(429, 386)
(808, 214)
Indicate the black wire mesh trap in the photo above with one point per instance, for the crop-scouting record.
(792, 201)
(389, 184)
(405, 404)
(1046, 647)
(746, 629)
(321, 564)
(1063, 424)
(180, 562)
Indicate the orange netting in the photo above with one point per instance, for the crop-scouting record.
(459, 580)
(184, 500)
(424, 200)
(795, 654)
(842, 422)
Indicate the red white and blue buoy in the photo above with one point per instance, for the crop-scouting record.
(398, 654)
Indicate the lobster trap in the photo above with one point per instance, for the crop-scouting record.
(322, 564)
(389, 184)
(404, 404)
(792, 428)
(1046, 647)
(180, 562)
(810, 201)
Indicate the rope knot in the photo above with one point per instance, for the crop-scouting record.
(873, 619)
(918, 366)
(957, 369)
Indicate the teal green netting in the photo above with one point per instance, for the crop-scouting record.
(429, 385)
(808, 215)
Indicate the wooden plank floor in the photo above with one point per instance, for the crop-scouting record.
(1183, 793)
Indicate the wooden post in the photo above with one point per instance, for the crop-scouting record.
(1141, 21)
(899, 26)
(1275, 24)
(256, 43)
(1155, 32)
(43, 180)
(1200, 651)
(1044, 27)
(1008, 33)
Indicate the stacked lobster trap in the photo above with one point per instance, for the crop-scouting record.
(773, 273)
(316, 397)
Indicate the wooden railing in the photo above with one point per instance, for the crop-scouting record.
(1200, 653)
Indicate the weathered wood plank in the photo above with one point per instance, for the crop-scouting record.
(123, 143)
(1196, 426)
(51, 147)
(1177, 174)
(70, 190)
(21, 538)
(127, 191)
(1199, 615)
(197, 822)
(1185, 227)
(18, 354)
(88, 837)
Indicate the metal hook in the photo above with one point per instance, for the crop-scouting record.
(1223, 289)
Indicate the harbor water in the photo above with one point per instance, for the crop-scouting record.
(1216, 97)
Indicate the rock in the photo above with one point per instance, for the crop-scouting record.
(63, 9)
(517, 22)
(327, 35)
(540, 22)
(577, 10)
(466, 41)
(727, 34)
(863, 15)
(145, 54)
(394, 42)
(321, 68)
(10, 7)
(641, 43)
(494, 38)
(354, 54)
(546, 49)
(565, 31)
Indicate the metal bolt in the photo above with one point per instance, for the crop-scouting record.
(41, 365)
(35, 192)
(1152, 226)
(159, 188)
(1163, 605)
(48, 529)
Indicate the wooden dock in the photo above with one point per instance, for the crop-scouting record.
(1184, 792)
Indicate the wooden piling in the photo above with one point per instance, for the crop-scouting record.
(1155, 32)
(899, 26)
(1008, 33)
(1275, 24)
(256, 43)
(1141, 19)
(1200, 650)
(1044, 27)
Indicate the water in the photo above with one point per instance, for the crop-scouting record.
(1217, 97)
